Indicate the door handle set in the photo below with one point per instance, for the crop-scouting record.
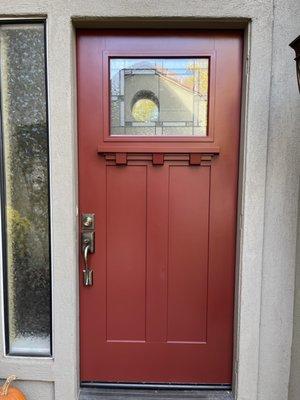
(87, 245)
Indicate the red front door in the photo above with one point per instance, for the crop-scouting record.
(158, 166)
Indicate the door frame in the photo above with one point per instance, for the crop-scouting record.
(246, 278)
(89, 43)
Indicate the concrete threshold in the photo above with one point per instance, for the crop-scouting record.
(152, 394)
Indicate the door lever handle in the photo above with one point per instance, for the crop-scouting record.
(87, 246)
(86, 250)
(87, 271)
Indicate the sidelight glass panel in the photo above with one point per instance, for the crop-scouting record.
(159, 97)
(25, 193)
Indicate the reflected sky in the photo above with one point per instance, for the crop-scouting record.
(176, 68)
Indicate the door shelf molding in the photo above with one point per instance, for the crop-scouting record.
(121, 158)
(162, 148)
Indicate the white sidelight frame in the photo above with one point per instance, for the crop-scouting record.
(58, 377)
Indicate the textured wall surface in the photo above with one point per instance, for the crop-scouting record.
(267, 244)
(283, 163)
(294, 389)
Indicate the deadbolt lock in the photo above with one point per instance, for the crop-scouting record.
(88, 221)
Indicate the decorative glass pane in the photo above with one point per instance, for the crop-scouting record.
(25, 198)
(159, 97)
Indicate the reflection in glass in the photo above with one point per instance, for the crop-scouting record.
(145, 110)
(26, 200)
(159, 96)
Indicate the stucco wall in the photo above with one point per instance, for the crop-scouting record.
(294, 389)
(267, 229)
(283, 161)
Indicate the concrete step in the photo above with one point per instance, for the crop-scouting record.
(151, 394)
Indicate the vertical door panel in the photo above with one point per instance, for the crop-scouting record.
(188, 247)
(126, 253)
(157, 253)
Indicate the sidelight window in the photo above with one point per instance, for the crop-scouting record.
(25, 189)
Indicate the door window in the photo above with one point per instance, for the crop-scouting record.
(159, 96)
